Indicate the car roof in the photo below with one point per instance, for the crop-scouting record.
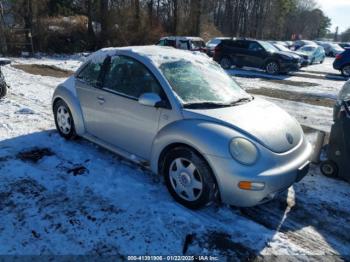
(194, 38)
(156, 54)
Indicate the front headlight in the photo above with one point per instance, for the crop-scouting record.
(243, 151)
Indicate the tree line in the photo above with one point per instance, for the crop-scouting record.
(78, 25)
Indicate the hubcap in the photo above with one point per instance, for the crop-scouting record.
(225, 63)
(63, 120)
(185, 179)
(346, 71)
(272, 68)
(328, 169)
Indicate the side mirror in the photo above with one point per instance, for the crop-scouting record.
(150, 99)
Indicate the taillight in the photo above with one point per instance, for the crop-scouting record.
(339, 56)
(217, 50)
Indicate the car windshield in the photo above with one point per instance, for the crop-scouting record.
(282, 48)
(336, 47)
(197, 44)
(308, 48)
(214, 41)
(268, 47)
(197, 82)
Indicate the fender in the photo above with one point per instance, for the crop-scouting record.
(207, 138)
(69, 96)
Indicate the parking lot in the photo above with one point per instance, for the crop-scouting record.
(73, 197)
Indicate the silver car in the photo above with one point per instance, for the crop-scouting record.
(179, 114)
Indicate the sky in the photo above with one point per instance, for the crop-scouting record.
(338, 11)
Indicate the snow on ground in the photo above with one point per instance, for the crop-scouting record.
(73, 197)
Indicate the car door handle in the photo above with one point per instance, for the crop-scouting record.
(101, 100)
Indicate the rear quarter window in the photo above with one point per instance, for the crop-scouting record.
(91, 73)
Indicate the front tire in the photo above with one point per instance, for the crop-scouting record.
(272, 68)
(226, 63)
(346, 71)
(64, 120)
(3, 90)
(329, 168)
(189, 178)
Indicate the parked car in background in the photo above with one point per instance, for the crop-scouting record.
(185, 118)
(332, 49)
(3, 84)
(312, 54)
(183, 42)
(283, 48)
(212, 43)
(300, 43)
(281, 43)
(342, 63)
(257, 54)
(345, 45)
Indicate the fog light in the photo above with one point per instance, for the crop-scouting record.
(248, 185)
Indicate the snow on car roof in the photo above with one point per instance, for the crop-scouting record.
(156, 54)
(194, 38)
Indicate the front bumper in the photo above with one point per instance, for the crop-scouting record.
(290, 66)
(337, 64)
(277, 171)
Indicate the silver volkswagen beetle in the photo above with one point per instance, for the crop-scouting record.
(179, 114)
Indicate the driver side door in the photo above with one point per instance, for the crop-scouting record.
(128, 124)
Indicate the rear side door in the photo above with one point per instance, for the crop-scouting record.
(236, 51)
(88, 84)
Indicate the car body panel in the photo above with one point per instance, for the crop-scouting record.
(255, 120)
(342, 60)
(145, 132)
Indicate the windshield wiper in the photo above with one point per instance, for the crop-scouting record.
(196, 105)
(241, 100)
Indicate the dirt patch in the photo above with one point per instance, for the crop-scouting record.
(293, 96)
(290, 82)
(34, 155)
(221, 241)
(44, 70)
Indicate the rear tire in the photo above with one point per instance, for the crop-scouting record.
(3, 90)
(226, 63)
(346, 71)
(329, 168)
(272, 68)
(64, 120)
(189, 178)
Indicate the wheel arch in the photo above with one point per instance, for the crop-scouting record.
(166, 149)
(62, 93)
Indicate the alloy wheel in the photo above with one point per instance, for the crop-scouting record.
(63, 120)
(185, 179)
(272, 68)
(346, 71)
(225, 63)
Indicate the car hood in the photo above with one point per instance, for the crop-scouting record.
(260, 120)
(290, 54)
(308, 53)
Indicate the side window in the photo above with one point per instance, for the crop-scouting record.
(242, 44)
(91, 73)
(184, 44)
(170, 43)
(129, 77)
(161, 43)
(253, 46)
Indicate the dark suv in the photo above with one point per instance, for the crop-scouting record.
(258, 54)
(342, 62)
